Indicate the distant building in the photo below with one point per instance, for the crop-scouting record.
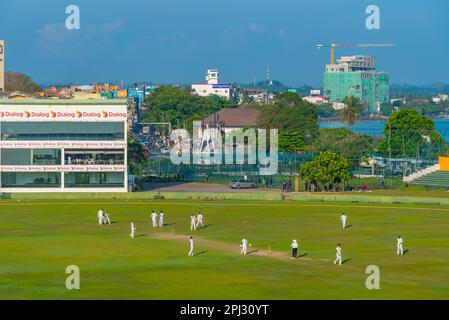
(230, 119)
(316, 99)
(213, 86)
(258, 95)
(338, 105)
(440, 98)
(356, 76)
(2, 66)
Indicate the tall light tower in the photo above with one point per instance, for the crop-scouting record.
(2, 66)
(268, 83)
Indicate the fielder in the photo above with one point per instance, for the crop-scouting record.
(338, 255)
(199, 220)
(343, 220)
(400, 249)
(100, 216)
(192, 222)
(191, 247)
(107, 219)
(133, 229)
(154, 218)
(294, 246)
(161, 219)
(244, 246)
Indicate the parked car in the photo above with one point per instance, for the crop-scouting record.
(240, 184)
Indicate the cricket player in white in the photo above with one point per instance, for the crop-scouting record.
(343, 220)
(191, 247)
(400, 249)
(294, 246)
(199, 220)
(244, 246)
(154, 219)
(338, 255)
(106, 218)
(161, 219)
(133, 229)
(100, 216)
(192, 222)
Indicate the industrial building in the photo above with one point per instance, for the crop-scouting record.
(357, 76)
(63, 146)
(213, 86)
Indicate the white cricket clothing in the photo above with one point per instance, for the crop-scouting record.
(244, 246)
(107, 219)
(192, 223)
(133, 229)
(343, 220)
(154, 219)
(161, 220)
(200, 220)
(294, 245)
(400, 249)
(191, 247)
(338, 255)
(100, 217)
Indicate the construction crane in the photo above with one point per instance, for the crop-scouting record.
(336, 45)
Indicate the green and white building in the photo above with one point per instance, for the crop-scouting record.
(63, 146)
(356, 76)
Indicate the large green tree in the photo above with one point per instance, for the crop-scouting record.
(290, 142)
(180, 106)
(136, 158)
(328, 171)
(411, 135)
(16, 81)
(290, 113)
(345, 142)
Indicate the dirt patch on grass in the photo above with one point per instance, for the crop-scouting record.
(226, 247)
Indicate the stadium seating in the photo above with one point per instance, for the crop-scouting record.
(438, 179)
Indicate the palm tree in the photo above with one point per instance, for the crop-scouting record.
(353, 110)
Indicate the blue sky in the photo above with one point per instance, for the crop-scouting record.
(175, 41)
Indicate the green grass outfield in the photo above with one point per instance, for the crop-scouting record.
(39, 238)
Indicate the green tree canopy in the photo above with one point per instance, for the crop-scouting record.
(411, 135)
(353, 146)
(180, 106)
(16, 81)
(136, 158)
(353, 110)
(290, 113)
(328, 171)
(290, 142)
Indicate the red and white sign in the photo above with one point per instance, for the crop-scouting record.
(62, 144)
(80, 168)
(69, 112)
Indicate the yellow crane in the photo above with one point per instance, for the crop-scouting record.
(332, 47)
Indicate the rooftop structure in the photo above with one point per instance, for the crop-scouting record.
(233, 118)
(213, 86)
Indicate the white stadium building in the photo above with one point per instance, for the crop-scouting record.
(63, 146)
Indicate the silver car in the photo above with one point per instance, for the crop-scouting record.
(240, 184)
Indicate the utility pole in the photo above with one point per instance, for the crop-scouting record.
(268, 83)
(389, 153)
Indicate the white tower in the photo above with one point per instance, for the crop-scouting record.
(2, 66)
(212, 76)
